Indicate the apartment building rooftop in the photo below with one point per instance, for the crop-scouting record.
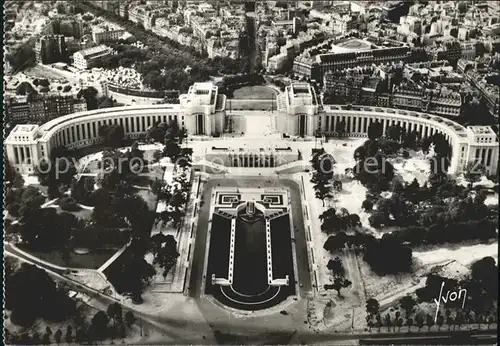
(93, 50)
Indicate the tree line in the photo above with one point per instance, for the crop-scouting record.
(478, 305)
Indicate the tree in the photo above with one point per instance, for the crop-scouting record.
(35, 338)
(323, 191)
(172, 150)
(394, 132)
(341, 128)
(340, 283)
(112, 135)
(129, 318)
(399, 261)
(31, 200)
(429, 322)
(133, 208)
(448, 318)
(473, 172)
(375, 130)
(323, 165)
(58, 336)
(367, 205)
(23, 57)
(80, 335)
(336, 267)
(396, 320)
(157, 187)
(440, 321)
(30, 293)
(419, 321)
(114, 311)
(379, 321)
(68, 203)
(336, 243)
(99, 326)
(105, 102)
(388, 322)
(45, 229)
(399, 323)
(331, 222)
(450, 321)
(45, 339)
(61, 8)
(25, 88)
(90, 96)
(459, 319)
(482, 285)
(60, 170)
(372, 306)
(69, 335)
(115, 135)
(369, 322)
(166, 253)
(409, 323)
(407, 303)
(491, 319)
(132, 274)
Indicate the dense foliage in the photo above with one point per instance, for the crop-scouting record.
(30, 294)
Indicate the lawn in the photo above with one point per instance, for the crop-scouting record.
(148, 176)
(251, 104)
(255, 92)
(92, 260)
(40, 71)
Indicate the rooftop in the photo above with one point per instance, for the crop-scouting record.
(300, 88)
(93, 50)
(352, 45)
(481, 130)
(201, 94)
(24, 129)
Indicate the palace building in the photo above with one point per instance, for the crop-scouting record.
(202, 112)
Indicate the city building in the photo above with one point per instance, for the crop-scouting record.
(373, 86)
(42, 108)
(482, 148)
(106, 34)
(348, 53)
(87, 58)
(50, 49)
(18, 111)
(67, 26)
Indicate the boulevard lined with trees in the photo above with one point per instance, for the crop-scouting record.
(163, 62)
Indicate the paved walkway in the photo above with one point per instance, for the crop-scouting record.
(113, 258)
